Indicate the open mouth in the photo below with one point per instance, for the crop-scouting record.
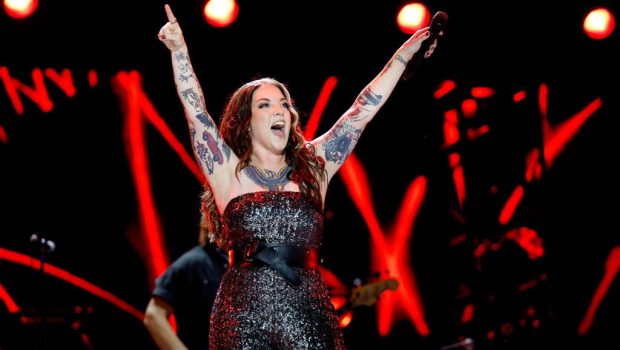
(278, 128)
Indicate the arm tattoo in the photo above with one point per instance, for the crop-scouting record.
(185, 73)
(209, 153)
(180, 56)
(212, 144)
(184, 66)
(192, 134)
(398, 58)
(401, 59)
(206, 120)
(226, 150)
(204, 156)
(366, 98)
(193, 99)
(202, 152)
(340, 142)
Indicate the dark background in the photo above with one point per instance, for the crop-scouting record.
(65, 174)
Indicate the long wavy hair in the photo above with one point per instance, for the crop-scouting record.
(307, 169)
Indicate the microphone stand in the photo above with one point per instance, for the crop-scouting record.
(43, 306)
(44, 249)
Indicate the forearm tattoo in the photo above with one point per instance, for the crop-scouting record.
(365, 99)
(401, 59)
(340, 142)
(398, 58)
(185, 68)
(193, 98)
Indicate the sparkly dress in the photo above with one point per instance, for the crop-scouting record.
(255, 307)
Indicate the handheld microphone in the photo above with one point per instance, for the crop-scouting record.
(46, 245)
(437, 23)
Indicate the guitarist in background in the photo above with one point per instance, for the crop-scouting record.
(186, 290)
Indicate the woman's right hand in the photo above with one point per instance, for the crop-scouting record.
(170, 34)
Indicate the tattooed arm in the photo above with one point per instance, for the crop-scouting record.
(338, 143)
(216, 159)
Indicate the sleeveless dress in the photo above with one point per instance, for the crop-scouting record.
(255, 307)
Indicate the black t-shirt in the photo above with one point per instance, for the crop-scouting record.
(189, 285)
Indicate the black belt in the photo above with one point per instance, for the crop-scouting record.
(280, 257)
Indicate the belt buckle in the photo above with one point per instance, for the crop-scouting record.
(249, 250)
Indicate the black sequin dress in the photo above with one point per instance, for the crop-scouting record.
(255, 307)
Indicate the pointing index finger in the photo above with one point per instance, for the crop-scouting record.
(169, 14)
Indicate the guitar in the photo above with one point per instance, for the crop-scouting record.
(368, 294)
(345, 299)
(364, 295)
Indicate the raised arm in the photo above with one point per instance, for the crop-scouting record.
(215, 157)
(338, 143)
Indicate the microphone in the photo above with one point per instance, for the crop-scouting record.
(437, 23)
(46, 245)
(466, 344)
